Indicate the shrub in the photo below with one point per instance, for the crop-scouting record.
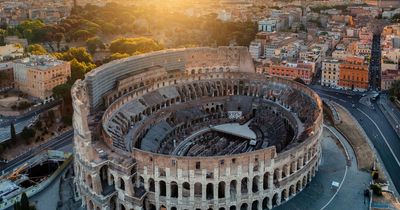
(376, 189)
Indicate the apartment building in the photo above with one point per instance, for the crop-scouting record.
(38, 75)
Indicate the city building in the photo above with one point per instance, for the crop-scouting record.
(270, 25)
(388, 77)
(38, 75)
(255, 50)
(354, 74)
(330, 72)
(6, 76)
(130, 148)
(288, 70)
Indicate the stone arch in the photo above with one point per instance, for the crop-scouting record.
(244, 206)
(292, 191)
(121, 184)
(210, 191)
(222, 208)
(304, 181)
(265, 203)
(275, 199)
(185, 190)
(122, 207)
(244, 188)
(104, 173)
(221, 190)
(197, 189)
(254, 205)
(284, 195)
(174, 189)
(162, 207)
(152, 207)
(265, 180)
(89, 181)
(298, 186)
(151, 185)
(255, 184)
(233, 189)
(232, 208)
(90, 205)
(163, 188)
(113, 203)
(173, 208)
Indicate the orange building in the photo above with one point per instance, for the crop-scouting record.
(354, 74)
(291, 71)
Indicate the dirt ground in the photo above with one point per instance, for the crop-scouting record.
(363, 151)
(386, 198)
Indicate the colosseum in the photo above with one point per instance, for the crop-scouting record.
(192, 129)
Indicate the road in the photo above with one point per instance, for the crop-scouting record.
(376, 126)
(58, 142)
(7, 120)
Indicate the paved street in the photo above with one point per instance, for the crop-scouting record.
(376, 126)
(319, 194)
(58, 142)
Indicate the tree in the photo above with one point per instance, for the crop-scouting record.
(80, 54)
(13, 133)
(27, 133)
(134, 45)
(62, 91)
(117, 56)
(93, 43)
(36, 49)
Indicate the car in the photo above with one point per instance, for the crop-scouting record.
(353, 105)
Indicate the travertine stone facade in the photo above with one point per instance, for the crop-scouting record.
(112, 172)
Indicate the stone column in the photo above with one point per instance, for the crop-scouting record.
(215, 188)
(96, 183)
(227, 192)
(279, 175)
(129, 187)
(287, 170)
(203, 191)
(278, 201)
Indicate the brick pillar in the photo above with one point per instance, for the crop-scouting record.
(270, 181)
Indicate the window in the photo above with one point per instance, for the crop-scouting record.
(197, 165)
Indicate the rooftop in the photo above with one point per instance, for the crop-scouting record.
(41, 62)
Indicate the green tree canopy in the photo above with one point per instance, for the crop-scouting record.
(395, 89)
(62, 91)
(93, 43)
(36, 49)
(80, 54)
(134, 45)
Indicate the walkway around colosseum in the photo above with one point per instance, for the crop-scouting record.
(318, 194)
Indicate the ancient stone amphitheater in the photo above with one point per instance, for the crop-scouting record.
(192, 129)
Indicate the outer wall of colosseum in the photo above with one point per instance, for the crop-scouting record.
(109, 176)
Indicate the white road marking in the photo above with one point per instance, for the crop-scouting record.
(380, 132)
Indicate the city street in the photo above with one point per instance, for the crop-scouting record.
(376, 126)
(60, 141)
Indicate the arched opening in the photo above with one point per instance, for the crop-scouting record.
(244, 188)
(121, 207)
(151, 185)
(197, 189)
(186, 189)
(222, 208)
(173, 208)
(89, 181)
(265, 203)
(232, 208)
(232, 190)
(174, 190)
(255, 184)
(121, 184)
(163, 188)
(104, 173)
(221, 190)
(265, 181)
(210, 191)
(298, 186)
(304, 181)
(275, 200)
(90, 206)
(291, 191)
(254, 206)
(244, 206)
(113, 203)
(283, 195)
(162, 207)
(152, 207)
